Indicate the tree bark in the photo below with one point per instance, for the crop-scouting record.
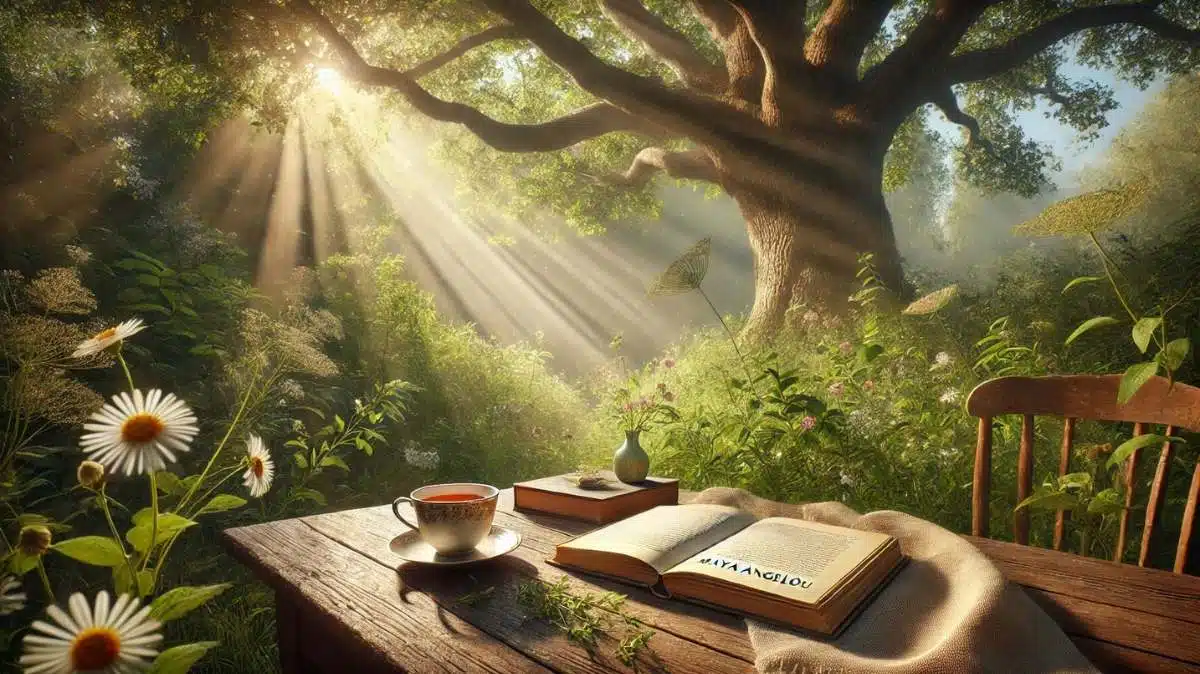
(807, 229)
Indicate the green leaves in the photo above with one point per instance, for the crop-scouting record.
(932, 303)
(123, 583)
(94, 550)
(180, 659)
(1090, 324)
(1107, 502)
(1080, 281)
(180, 601)
(1174, 353)
(1134, 378)
(169, 524)
(1133, 444)
(1085, 213)
(221, 503)
(1047, 497)
(1143, 331)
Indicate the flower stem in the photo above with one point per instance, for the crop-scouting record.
(112, 527)
(216, 452)
(153, 527)
(125, 367)
(41, 567)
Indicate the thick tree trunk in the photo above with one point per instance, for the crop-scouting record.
(807, 232)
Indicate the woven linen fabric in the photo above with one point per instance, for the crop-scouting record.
(948, 611)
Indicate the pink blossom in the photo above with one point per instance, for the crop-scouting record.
(668, 363)
(836, 389)
(808, 423)
(627, 407)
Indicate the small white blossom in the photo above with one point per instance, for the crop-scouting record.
(847, 480)
(941, 360)
(950, 396)
(418, 458)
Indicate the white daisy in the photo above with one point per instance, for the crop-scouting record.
(261, 469)
(139, 433)
(11, 599)
(106, 338)
(117, 638)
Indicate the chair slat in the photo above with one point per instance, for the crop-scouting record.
(982, 484)
(1131, 463)
(1188, 533)
(1158, 496)
(1024, 480)
(1064, 466)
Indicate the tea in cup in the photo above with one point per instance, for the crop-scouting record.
(453, 518)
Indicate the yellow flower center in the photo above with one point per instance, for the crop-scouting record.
(256, 465)
(141, 427)
(95, 649)
(105, 334)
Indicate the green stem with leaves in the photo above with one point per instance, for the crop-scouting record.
(125, 368)
(41, 567)
(112, 527)
(153, 525)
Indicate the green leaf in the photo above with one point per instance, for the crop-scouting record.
(1079, 281)
(332, 461)
(341, 423)
(306, 494)
(168, 525)
(94, 550)
(179, 659)
(1107, 502)
(1143, 332)
(1134, 378)
(20, 564)
(168, 483)
(148, 280)
(1131, 445)
(149, 307)
(301, 460)
(133, 264)
(221, 503)
(123, 583)
(179, 601)
(1049, 499)
(1175, 352)
(1089, 324)
(1075, 480)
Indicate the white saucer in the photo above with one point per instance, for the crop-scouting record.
(499, 541)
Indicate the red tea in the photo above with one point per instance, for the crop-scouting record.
(450, 498)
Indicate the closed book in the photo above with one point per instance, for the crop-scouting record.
(614, 500)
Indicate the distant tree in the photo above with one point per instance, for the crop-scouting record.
(788, 107)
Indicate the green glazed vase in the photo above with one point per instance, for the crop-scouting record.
(631, 463)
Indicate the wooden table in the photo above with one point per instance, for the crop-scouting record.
(345, 604)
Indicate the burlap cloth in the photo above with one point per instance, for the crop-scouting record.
(949, 610)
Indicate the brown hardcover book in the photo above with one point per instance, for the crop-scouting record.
(803, 574)
(614, 501)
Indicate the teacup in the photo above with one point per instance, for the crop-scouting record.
(453, 518)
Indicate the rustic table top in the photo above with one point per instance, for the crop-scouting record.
(347, 603)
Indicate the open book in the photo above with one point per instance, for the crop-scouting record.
(805, 574)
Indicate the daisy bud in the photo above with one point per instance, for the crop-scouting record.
(34, 540)
(90, 474)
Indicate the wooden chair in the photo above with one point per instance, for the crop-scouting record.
(1088, 397)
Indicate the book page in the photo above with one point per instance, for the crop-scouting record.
(665, 535)
(795, 559)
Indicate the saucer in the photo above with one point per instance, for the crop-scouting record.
(499, 541)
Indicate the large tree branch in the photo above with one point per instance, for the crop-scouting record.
(841, 36)
(666, 43)
(984, 63)
(683, 165)
(589, 122)
(743, 60)
(947, 102)
(501, 32)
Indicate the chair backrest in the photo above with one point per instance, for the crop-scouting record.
(1088, 397)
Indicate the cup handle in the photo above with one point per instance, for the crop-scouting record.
(396, 511)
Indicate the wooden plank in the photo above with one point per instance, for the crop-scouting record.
(981, 485)
(1158, 401)
(1114, 659)
(1150, 591)
(361, 602)
(1131, 464)
(1158, 497)
(1064, 467)
(682, 628)
(1167, 637)
(1188, 531)
(1024, 480)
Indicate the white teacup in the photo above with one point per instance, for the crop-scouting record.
(453, 517)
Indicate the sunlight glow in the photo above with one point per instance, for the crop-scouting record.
(331, 80)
